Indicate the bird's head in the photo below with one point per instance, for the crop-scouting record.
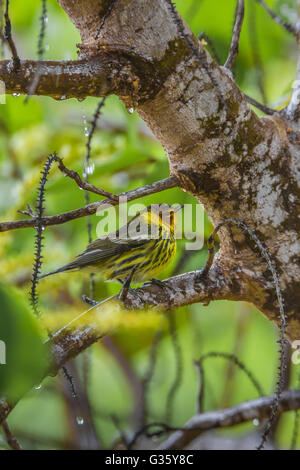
(161, 216)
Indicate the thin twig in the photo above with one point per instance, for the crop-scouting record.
(262, 107)
(258, 408)
(257, 62)
(200, 398)
(40, 50)
(145, 431)
(235, 40)
(10, 438)
(83, 184)
(116, 421)
(236, 361)
(289, 27)
(9, 39)
(167, 183)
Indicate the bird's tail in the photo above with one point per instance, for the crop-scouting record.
(67, 267)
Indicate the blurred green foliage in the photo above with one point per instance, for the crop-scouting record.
(26, 353)
(125, 156)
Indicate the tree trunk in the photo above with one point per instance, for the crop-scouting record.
(236, 164)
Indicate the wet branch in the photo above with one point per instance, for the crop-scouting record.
(92, 208)
(58, 79)
(83, 184)
(259, 408)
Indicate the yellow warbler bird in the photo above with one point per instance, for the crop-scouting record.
(138, 251)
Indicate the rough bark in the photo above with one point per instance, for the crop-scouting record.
(236, 164)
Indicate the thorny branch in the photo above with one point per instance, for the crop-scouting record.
(9, 39)
(43, 20)
(290, 28)
(39, 237)
(92, 208)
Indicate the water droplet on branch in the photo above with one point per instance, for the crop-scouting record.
(89, 168)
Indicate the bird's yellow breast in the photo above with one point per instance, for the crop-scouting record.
(150, 260)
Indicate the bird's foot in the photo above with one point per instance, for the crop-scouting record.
(200, 273)
(126, 286)
(161, 284)
(125, 292)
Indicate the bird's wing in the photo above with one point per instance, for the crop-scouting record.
(100, 250)
(103, 248)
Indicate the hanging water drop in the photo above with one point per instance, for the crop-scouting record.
(89, 168)
(86, 130)
(131, 110)
(256, 422)
(38, 387)
(79, 420)
(15, 95)
(63, 97)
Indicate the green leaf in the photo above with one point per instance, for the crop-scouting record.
(23, 353)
